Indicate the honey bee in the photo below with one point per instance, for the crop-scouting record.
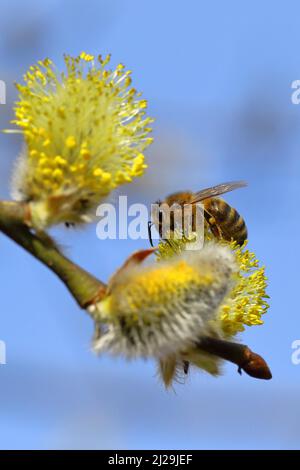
(223, 220)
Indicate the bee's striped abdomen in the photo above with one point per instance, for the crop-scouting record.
(228, 222)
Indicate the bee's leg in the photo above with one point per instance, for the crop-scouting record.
(149, 232)
(186, 366)
(215, 228)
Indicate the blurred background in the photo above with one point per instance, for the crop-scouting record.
(218, 79)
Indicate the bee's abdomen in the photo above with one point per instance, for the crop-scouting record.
(229, 222)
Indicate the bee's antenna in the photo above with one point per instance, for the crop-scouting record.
(149, 232)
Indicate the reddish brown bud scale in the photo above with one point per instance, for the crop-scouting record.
(255, 366)
(248, 361)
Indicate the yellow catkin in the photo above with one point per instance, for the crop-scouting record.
(86, 126)
(246, 303)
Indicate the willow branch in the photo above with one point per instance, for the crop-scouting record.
(14, 222)
(86, 289)
(246, 360)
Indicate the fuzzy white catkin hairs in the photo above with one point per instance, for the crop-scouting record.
(161, 309)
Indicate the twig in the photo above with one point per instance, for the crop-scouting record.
(14, 222)
(239, 354)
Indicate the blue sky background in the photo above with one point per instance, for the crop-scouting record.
(218, 79)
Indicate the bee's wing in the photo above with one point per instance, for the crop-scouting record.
(217, 190)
